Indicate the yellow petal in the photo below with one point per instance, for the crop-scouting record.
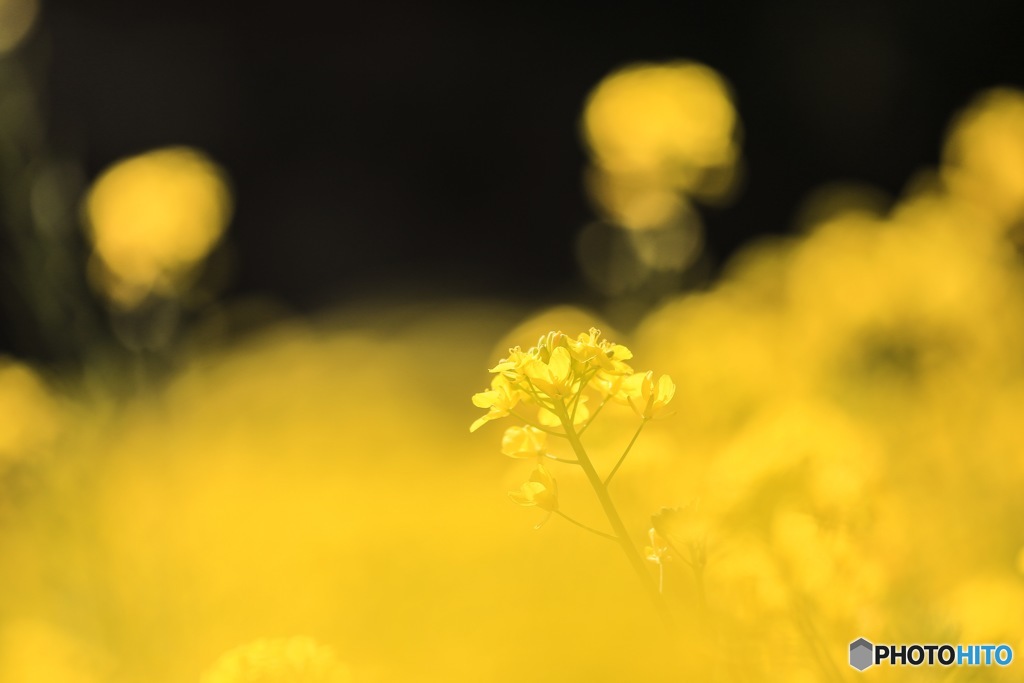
(523, 442)
(666, 389)
(560, 364)
(480, 422)
(527, 494)
(485, 399)
(548, 418)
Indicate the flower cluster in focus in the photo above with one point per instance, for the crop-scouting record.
(562, 375)
(557, 388)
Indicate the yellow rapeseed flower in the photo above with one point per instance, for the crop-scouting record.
(517, 357)
(579, 415)
(523, 442)
(648, 398)
(553, 375)
(540, 491)
(499, 400)
(684, 530)
(658, 551)
(554, 378)
(589, 348)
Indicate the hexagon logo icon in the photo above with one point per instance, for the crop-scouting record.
(861, 654)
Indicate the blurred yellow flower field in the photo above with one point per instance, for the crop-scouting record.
(831, 449)
(315, 482)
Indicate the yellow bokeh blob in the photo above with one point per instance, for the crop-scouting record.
(36, 650)
(152, 218)
(987, 608)
(30, 413)
(278, 660)
(662, 126)
(984, 154)
(16, 20)
(634, 202)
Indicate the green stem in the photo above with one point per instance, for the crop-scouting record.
(584, 381)
(696, 561)
(702, 597)
(622, 459)
(619, 529)
(592, 416)
(821, 654)
(584, 526)
(532, 390)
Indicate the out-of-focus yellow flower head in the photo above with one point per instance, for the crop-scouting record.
(152, 218)
(281, 660)
(540, 491)
(523, 442)
(637, 202)
(648, 398)
(654, 127)
(660, 137)
(36, 650)
(984, 154)
(30, 413)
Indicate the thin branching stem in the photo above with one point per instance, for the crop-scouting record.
(579, 395)
(592, 416)
(622, 458)
(618, 528)
(584, 526)
(535, 393)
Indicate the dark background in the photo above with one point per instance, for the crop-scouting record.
(397, 147)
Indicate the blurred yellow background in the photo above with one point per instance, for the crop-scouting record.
(304, 502)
